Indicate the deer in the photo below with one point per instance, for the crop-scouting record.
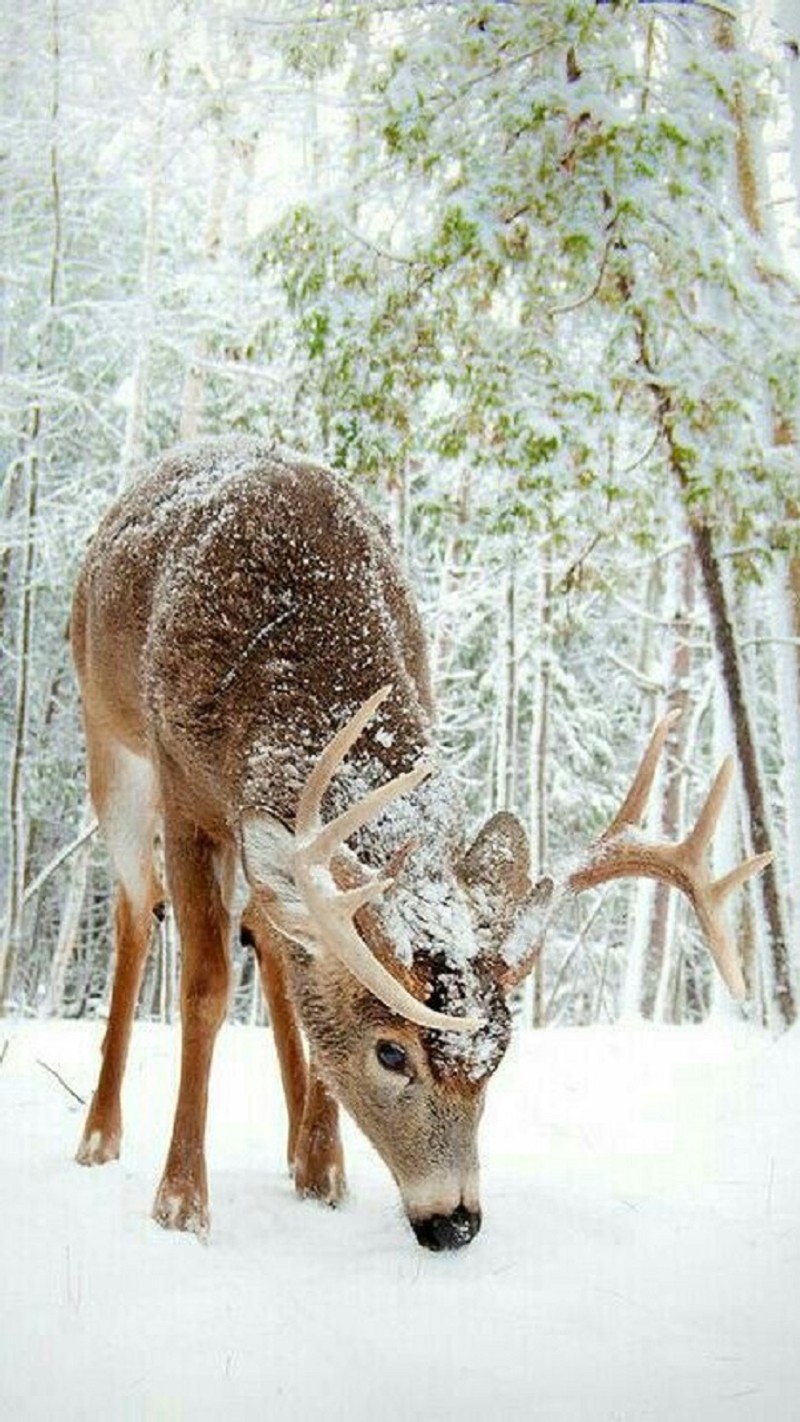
(257, 707)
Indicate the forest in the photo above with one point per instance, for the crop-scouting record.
(527, 274)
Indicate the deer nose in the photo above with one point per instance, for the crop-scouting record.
(448, 1231)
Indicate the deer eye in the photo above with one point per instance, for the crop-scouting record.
(391, 1056)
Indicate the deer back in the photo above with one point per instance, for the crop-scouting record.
(234, 607)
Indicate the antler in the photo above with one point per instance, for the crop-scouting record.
(330, 908)
(621, 852)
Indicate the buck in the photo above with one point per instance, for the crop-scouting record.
(255, 693)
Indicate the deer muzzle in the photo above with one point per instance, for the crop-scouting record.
(451, 1231)
(444, 1210)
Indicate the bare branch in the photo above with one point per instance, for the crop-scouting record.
(36, 885)
(80, 1099)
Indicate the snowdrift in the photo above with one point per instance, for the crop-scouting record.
(640, 1255)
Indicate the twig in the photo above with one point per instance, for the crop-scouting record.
(589, 295)
(579, 942)
(4, 1050)
(61, 858)
(61, 1080)
(647, 683)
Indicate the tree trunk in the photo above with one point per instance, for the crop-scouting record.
(641, 893)
(677, 682)
(17, 827)
(725, 641)
(17, 822)
(134, 442)
(507, 756)
(727, 652)
(785, 619)
(194, 385)
(452, 568)
(71, 911)
(539, 773)
(166, 939)
(748, 175)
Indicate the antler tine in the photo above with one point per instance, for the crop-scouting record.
(632, 808)
(337, 831)
(322, 773)
(725, 886)
(700, 837)
(351, 900)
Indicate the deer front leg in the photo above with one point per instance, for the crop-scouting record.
(195, 876)
(319, 1158)
(283, 1021)
(315, 1154)
(102, 1132)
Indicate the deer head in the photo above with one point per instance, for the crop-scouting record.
(402, 965)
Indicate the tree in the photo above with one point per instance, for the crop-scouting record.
(557, 274)
(512, 289)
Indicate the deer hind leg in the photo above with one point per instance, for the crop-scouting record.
(124, 793)
(199, 875)
(315, 1154)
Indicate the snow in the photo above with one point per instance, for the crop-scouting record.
(640, 1255)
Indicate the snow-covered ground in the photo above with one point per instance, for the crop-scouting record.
(640, 1255)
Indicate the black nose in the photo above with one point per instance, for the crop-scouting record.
(448, 1231)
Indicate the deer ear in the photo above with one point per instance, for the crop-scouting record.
(267, 851)
(494, 872)
(498, 859)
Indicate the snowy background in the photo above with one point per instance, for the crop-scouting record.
(471, 255)
(639, 1258)
(526, 275)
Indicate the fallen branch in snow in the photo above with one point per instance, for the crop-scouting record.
(3, 1051)
(61, 1080)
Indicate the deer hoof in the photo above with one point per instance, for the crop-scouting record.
(98, 1147)
(182, 1208)
(325, 1183)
